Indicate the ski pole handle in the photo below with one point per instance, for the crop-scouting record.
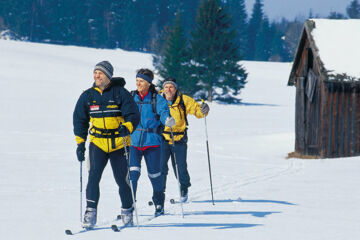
(206, 133)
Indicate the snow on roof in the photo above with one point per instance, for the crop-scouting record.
(338, 43)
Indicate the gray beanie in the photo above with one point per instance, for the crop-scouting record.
(106, 68)
(170, 80)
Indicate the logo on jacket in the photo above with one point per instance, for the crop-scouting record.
(94, 107)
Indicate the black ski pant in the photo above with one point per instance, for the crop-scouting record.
(180, 150)
(98, 161)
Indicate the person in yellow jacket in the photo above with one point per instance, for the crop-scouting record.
(113, 115)
(180, 106)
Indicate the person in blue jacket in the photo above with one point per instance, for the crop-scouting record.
(146, 138)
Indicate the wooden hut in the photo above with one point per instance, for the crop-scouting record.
(326, 74)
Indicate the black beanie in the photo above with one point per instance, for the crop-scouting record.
(106, 68)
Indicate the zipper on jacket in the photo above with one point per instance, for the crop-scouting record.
(102, 112)
(141, 132)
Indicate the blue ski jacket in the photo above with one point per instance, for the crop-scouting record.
(148, 132)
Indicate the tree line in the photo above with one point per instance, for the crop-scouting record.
(198, 42)
(137, 24)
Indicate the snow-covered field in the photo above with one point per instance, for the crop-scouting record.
(258, 193)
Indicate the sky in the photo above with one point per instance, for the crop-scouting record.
(276, 9)
(258, 193)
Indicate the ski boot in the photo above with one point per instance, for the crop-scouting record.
(89, 218)
(184, 194)
(159, 210)
(127, 216)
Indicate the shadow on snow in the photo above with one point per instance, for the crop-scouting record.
(253, 213)
(245, 201)
(197, 225)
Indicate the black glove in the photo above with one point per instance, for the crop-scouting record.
(205, 108)
(80, 151)
(123, 131)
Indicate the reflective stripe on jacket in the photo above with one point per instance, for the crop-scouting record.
(105, 110)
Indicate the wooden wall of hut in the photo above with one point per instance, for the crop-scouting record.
(340, 120)
(308, 103)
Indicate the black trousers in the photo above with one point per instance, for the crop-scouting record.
(180, 152)
(98, 161)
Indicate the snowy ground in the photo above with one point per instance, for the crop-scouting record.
(258, 193)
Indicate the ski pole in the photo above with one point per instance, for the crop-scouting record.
(131, 185)
(80, 191)
(177, 171)
(208, 155)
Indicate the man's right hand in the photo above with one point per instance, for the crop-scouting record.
(170, 122)
(80, 151)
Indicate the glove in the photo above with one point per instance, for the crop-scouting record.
(204, 108)
(123, 131)
(170, 122)
(80, 151)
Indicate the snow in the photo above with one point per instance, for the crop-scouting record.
(259, 194)
(338, 44)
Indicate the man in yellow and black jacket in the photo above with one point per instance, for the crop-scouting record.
(180, 106)
(113, 115)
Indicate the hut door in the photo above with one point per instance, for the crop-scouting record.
(311, 108)
(312, 114)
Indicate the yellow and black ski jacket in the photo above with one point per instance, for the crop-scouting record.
(105, 111)
(178, 112)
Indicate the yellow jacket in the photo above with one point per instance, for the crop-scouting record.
(176, 111)
(105, 111)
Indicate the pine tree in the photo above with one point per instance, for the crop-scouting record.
(255, 24)
(353, 10)
(128, 31)
(238, 12)
(188, 11)
(15, 16)
(215, 55)
(292, 33)
(336, 15)
(263, 41)
(277, 49)
(173, 60)
(65, 17)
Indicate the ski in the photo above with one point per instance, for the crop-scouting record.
(173, 201)
(100, 226)
(117, 228)
(84, 230)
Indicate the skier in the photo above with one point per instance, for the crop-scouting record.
(180, 106)
(146, 139)
(113, 115)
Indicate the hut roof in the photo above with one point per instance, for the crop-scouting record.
(336, 47)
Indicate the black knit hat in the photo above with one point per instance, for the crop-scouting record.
(105, 67)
